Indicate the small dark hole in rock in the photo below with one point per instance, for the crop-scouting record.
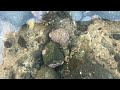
(4, 68)
(105, 34)
(99, 28)
(114, 44)
(110, 37)
(94, 37)
(7, 44)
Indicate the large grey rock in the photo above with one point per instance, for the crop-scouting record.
(91, 71)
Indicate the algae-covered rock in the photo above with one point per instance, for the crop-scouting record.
(103, 44)
(47, 73)
(80, 53)
(81, 49)
(90, 71)
(51, 54)
(97, 46)
(23, 52)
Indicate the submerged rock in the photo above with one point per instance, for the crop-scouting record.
(116, 36)
(47, 73)
(60, 36)
(90, 71)
(24, 57)
(52, 55)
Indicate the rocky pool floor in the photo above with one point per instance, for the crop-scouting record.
(59, 48)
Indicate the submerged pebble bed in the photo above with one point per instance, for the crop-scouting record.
(62, 33)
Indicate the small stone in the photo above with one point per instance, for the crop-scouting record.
(60, 36)
(7, 44)
(117, 57)
(116, 36)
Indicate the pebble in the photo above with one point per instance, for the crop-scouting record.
(60, 36)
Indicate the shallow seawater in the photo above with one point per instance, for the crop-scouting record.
(60, 44)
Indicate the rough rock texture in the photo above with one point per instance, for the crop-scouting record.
(103, 45)
(99, 46)
(90, 71)
(24, 57)
(96, 52)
